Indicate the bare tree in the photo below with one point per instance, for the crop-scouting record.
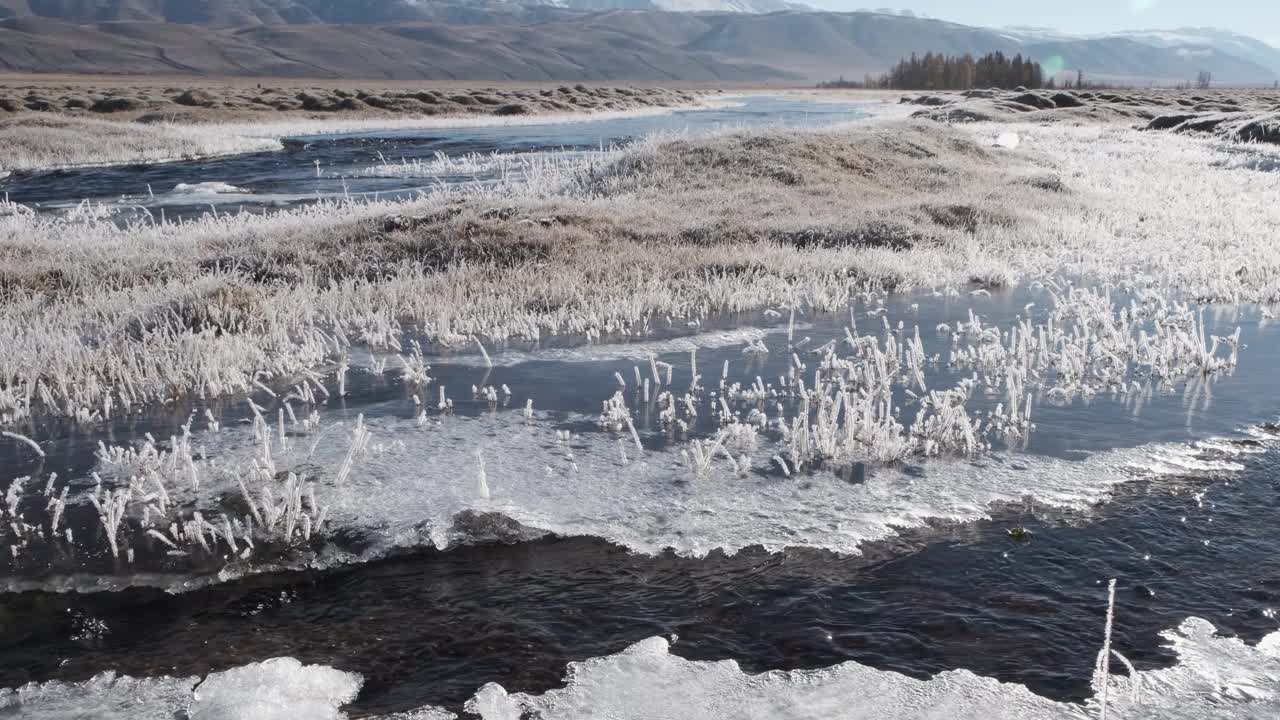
(1204, 79)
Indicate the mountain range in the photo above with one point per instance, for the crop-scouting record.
(567, 40)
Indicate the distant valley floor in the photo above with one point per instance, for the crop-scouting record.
(151, 100)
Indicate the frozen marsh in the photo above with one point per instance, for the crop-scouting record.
(822, 360)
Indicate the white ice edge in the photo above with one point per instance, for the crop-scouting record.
(408, 489)
(652, 503)
(413, 483)
(302, 129)
(639, 350)
(1214, 678)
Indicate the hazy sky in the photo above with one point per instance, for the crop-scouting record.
(1259, 18)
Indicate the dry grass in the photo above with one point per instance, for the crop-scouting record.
(48, 141)
(184, 100)
(1238, 115)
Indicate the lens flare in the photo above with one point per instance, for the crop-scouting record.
(1053, 65)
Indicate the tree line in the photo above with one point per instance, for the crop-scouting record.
(935, 71)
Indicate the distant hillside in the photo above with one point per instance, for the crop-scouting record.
(1187, 43)
(823, 45)
(740, 6)
(540, 52)
(1123, 58)
(480, 40)
(1228, 43)
(239, 13)
(233, 13)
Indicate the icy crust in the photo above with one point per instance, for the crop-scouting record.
(761, 464)
(276, 689)
(104, 697)
(426, 713)
(415, 483)
(647, 681)
(207, 188)
(639, 350)
(1215, 678)
(420, 486)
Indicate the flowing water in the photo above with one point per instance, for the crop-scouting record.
(330, 166)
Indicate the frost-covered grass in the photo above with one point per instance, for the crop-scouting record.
(503, 167)
(97, 319)
(42, 142)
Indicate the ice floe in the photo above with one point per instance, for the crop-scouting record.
(207, 188)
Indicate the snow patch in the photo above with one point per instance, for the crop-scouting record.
(1008, 140)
